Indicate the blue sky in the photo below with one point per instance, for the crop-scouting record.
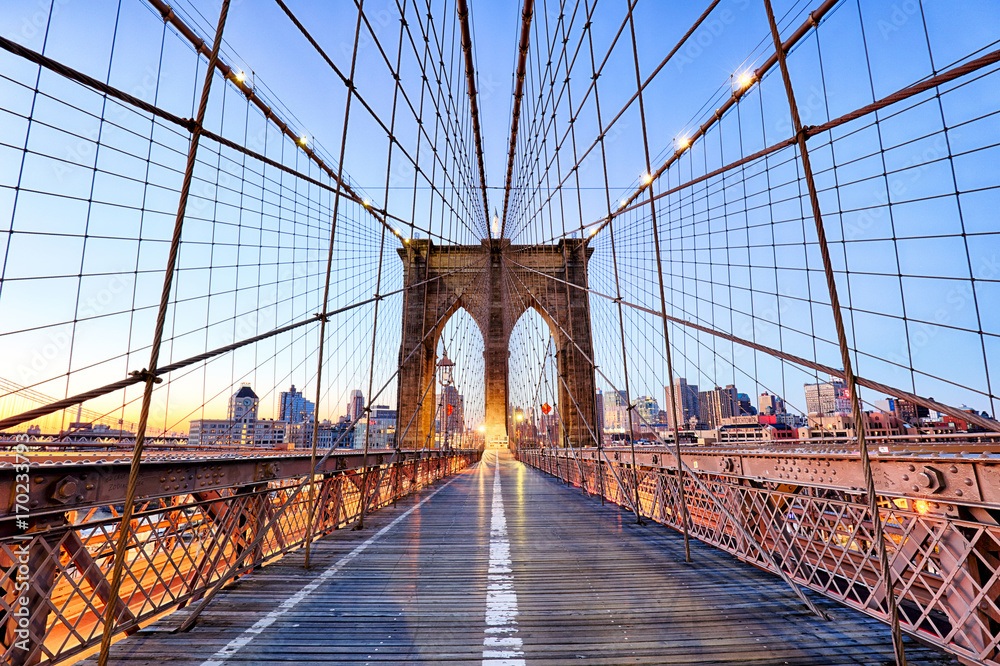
(84, 248)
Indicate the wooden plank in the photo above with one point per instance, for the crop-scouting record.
(590, 585)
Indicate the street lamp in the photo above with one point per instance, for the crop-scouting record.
(446, 371)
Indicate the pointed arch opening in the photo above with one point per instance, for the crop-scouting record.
(460, 407)
(534, 386)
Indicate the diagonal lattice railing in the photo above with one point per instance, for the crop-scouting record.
(944, 556)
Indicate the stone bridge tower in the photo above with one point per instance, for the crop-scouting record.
(496, 282)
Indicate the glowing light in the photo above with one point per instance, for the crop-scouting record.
(520, 416)
(647, 178)
(303, 140)
(683, 142)
(482, 428)
(239, 76)
(744, 80)
(406, 240)
(921, 506)
(594, 230)
(365, 203)
(623, 203)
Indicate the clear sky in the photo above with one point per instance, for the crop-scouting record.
(88, 191)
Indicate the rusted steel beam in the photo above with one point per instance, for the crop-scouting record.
(522, 59)
(76, 484)
(947, 478)
(470, 76)
(182, 550)
(811, 22)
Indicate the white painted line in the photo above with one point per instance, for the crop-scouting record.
(291, 602)
(501, 646)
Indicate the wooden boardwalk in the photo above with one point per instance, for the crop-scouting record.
(535, 574)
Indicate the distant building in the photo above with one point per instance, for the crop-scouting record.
(687, 402)
(217, 433)
(241, 429)
(827, 398)
(906, 410)
(455, 420)
(382, 428)
(647, 413)
(243, 406)
(716, 405)
(615, 412)
(745, 408)
(294, 408)
(269, 434)
(355, 405)
(549, 431)
(599, 408)
(770, 405)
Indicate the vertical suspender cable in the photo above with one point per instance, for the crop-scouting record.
(614, 260)
(845, 352)
(326, 291)
(470, 75)
(663, 299)
(378, 279)
(149, 373)
(522, 59)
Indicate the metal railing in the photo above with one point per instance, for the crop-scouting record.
(53, 577)
(944, 550)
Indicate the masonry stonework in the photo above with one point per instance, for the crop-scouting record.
(496, 282)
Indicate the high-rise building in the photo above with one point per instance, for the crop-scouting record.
(687, 402)
(243, 405)
(828, 398)
(455, 421)
(294, 408)
(599, 408)
(355, 405)
(770, 405)
(647, 412)
(615, 412)
(717, 404)
(746, 408)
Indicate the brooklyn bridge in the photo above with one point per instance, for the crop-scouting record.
(432, 331)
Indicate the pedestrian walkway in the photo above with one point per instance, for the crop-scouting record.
(503, 565)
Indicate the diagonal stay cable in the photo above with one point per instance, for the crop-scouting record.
(694, 477)
(66, 403)
(238, 564)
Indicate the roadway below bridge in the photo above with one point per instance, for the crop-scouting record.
(503, 565)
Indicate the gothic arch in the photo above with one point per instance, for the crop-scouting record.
(438, 281)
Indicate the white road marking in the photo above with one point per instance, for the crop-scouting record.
(501, 647)
(291, 602)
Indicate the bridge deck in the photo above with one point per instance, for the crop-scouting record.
(544, 575)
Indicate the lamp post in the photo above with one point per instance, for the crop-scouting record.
(446, 368)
